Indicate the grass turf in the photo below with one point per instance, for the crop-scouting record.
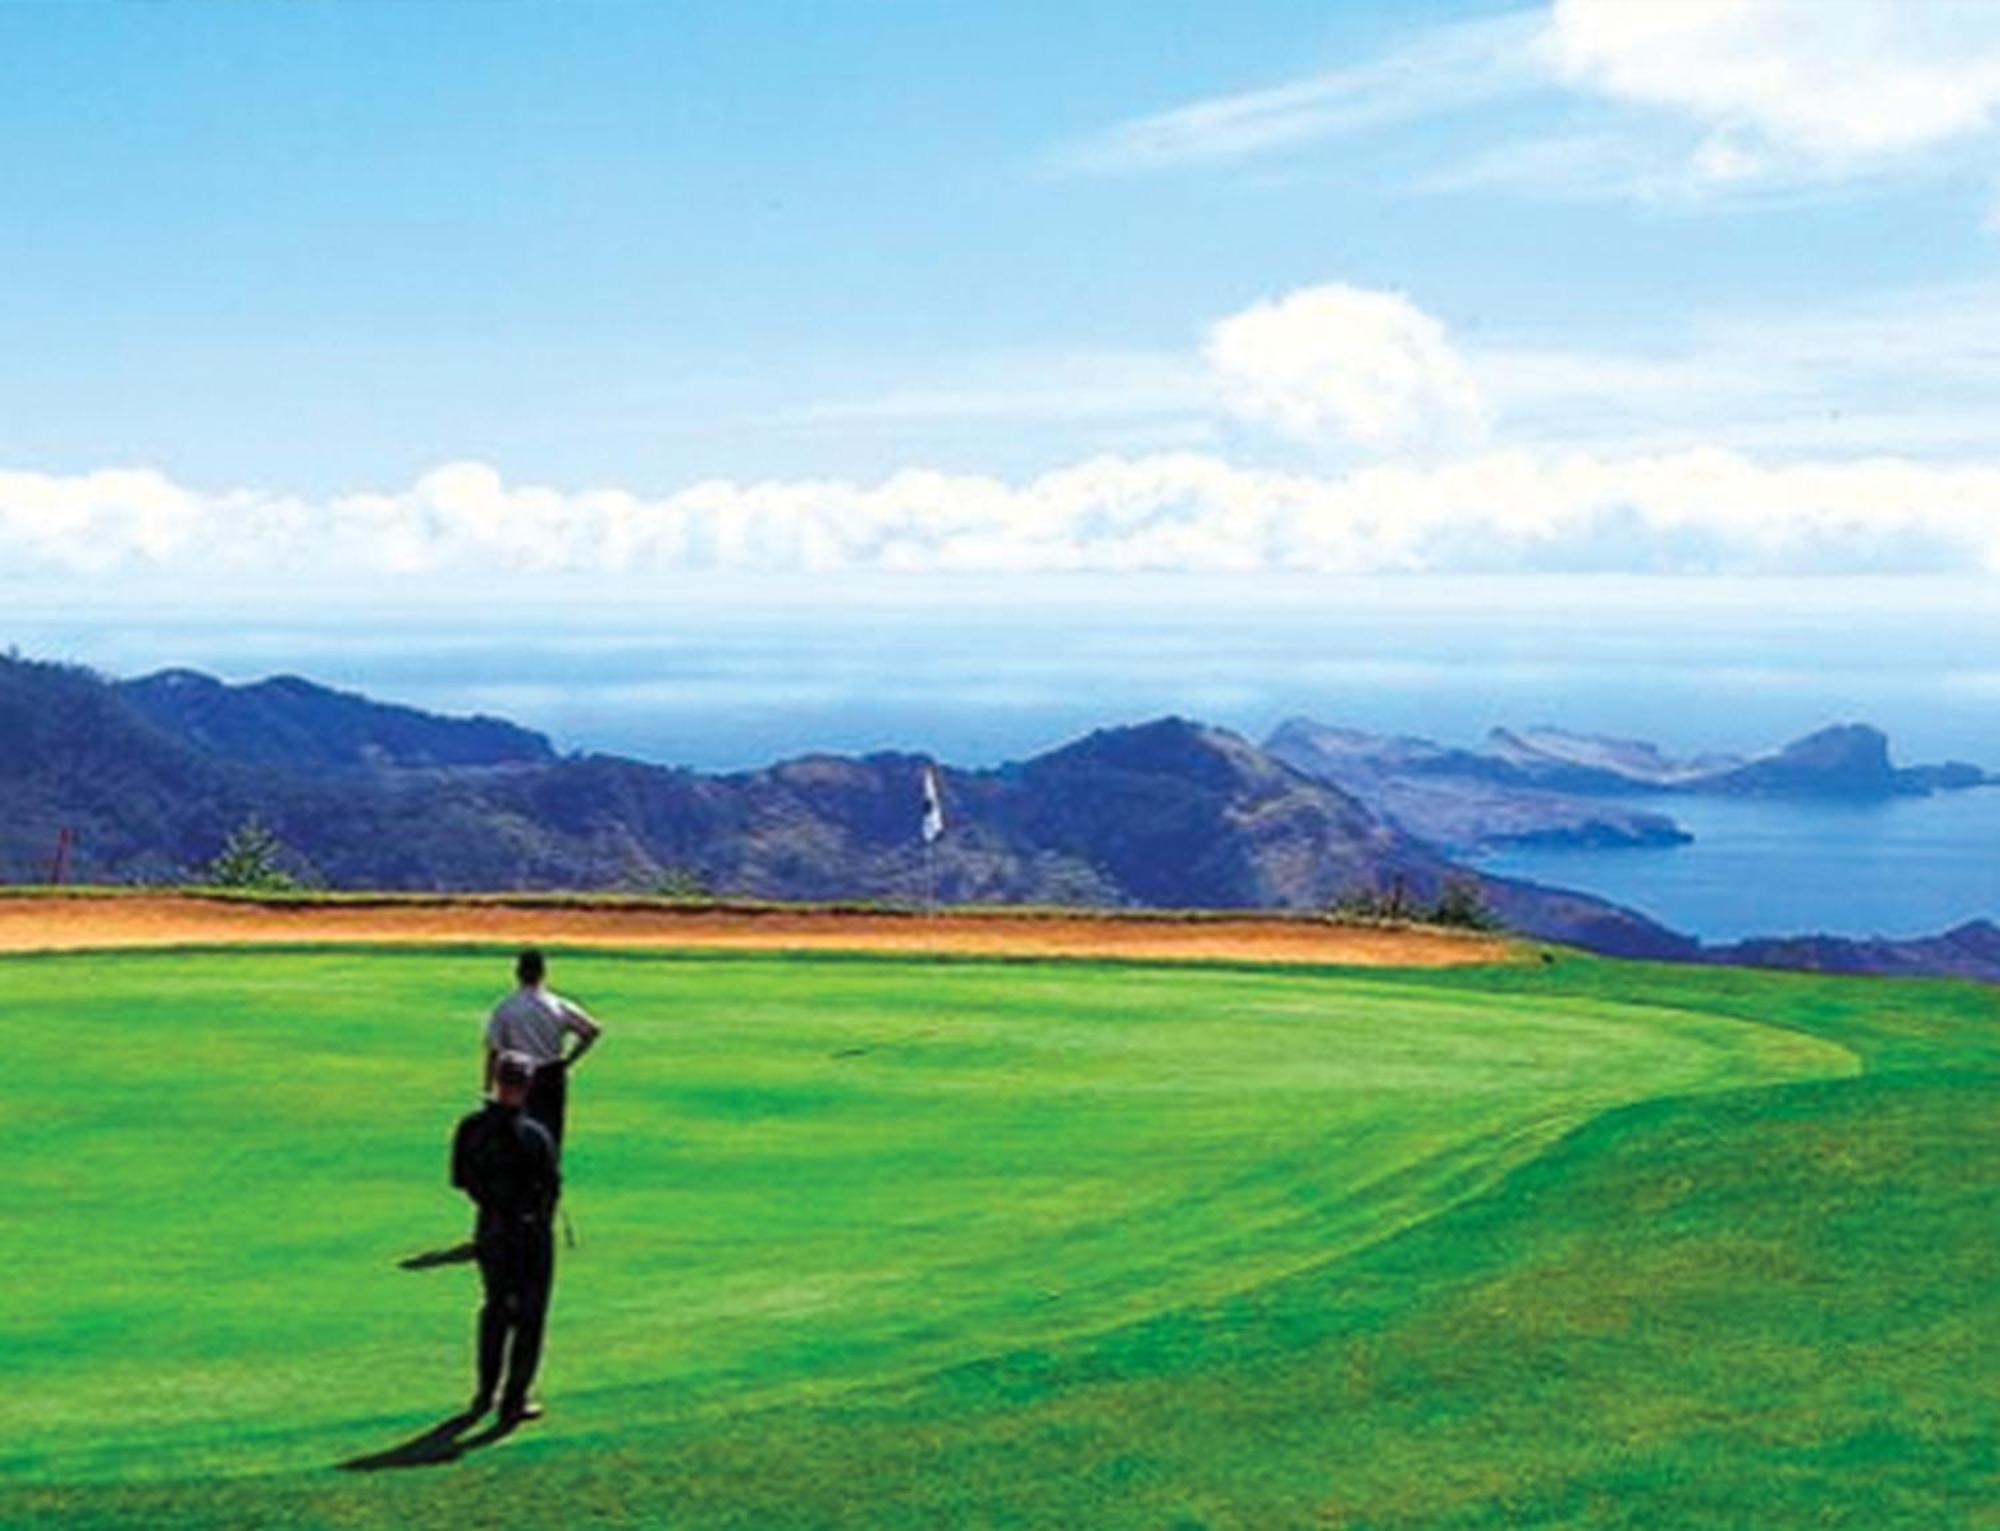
(872, 1242)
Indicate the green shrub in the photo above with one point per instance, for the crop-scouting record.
(1459, 903)
(683, 882)
(252, 857)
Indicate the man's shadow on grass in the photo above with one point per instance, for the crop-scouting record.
(445, 1441)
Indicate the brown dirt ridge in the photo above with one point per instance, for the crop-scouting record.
(98, 921)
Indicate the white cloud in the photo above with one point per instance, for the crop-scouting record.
(1642, 462)
(1694, 100)
(1575, 166)
(98, 520)
(1698, 511)
(1658, 165)
(1912, 373)
(1336, 362)
(1833, 84)
(1051, 385)
(1446, 69)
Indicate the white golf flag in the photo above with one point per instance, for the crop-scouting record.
(933, 806)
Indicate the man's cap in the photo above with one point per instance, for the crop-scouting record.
(513, 1068)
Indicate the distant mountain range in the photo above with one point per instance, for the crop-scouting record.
(1971, 950)
(1847, 760)
(1546, 786)
(151, 775)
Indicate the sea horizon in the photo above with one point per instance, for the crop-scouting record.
(722, 675)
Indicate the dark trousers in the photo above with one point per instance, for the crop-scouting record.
(517, 1262)
(548, 1096)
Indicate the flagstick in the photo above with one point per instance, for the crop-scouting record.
(933, 827)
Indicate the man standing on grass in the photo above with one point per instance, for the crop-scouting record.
(532, 1020)
(506, 1162)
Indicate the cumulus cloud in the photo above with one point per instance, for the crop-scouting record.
(1341, 363)
(1701, 511)
(102, 519)
(1836, 85)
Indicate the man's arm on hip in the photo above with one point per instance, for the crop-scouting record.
(578, 1022)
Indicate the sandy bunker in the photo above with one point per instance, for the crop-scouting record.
(83, 922)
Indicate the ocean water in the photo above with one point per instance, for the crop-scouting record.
(721, 676)
(1905, 867)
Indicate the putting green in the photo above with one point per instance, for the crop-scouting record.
(789, 1177)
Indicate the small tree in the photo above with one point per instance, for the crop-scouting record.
(684, 883)
(252, 857)
(1459, 902)
(1369, 903)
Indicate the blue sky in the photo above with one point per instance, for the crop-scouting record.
(395, 307)
(327, 248)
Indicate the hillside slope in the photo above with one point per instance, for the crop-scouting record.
(293, 723)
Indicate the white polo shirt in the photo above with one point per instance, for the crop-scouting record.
(533, 1020)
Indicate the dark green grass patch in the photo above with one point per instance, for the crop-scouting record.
(875, 1243)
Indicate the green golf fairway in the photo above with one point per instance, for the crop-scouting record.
(802, 1188)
